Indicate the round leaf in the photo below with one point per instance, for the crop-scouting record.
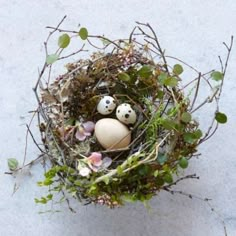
(162, 77)
(160, 181)
(178, 69)
(168, 178)
(12, 164)
(198, 134)
(183, 163)
(221, 117)
(51, 58)
(64, 41)
(171, 81)
(161, 158)
(145, 71)
(144, 170)
(186, 117)
(124, 77)
(189, 138)
(83, 33)
(168, 124)
(217, 76)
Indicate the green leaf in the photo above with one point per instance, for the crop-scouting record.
(51, 58)
(78, 183)
(161, 158)
(192, 137)
(156, 173)
(172, 111)
(128, 198)
(197, 134)
(183, 162)
(64, 41)
(93, 189)
(217, 76)
(162, 77)
(12, 163)
(144, 170)
(160, 94)
(124, 77)
(221, 117)
(178, 69)
(160, 181)
(186, 117)
(168, 178)
(171, 81)
(49, 196)
(168, 124)
(47, 182)
(83, 33)
(43, 200)
(145, 71)
(189, 138)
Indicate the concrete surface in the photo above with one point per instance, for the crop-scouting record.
(189, 29)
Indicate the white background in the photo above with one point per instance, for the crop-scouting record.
(190, 29)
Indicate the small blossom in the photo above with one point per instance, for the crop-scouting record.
(95, 161)
(84, 130)
(84, 171)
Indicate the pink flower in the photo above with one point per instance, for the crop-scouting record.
(96, 163)
(84, 130)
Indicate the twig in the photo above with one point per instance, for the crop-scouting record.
(196, 91)
(157, 42)
(206, 200)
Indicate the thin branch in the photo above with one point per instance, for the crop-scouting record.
(196, 91)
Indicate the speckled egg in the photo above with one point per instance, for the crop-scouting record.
(126, 114)
(112, 134)
(106, 105)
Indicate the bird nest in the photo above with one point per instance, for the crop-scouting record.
(118, 126)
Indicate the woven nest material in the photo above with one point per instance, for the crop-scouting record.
(163, 135)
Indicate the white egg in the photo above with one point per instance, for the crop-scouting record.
(106, 105)
(126, 114)
(112, 134)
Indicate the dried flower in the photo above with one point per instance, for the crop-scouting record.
(66, 132)
(84, 130)
(96, 163)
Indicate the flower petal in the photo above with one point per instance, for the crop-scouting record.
(87, 134)
(94, 168)
(88, 126)
(85, 171)
(80, 135)
(106, 162)
(95, 159)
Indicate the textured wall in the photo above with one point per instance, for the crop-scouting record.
(189, 29)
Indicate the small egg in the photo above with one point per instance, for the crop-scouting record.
(112, 134)
(106, 105)
(126, 114)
